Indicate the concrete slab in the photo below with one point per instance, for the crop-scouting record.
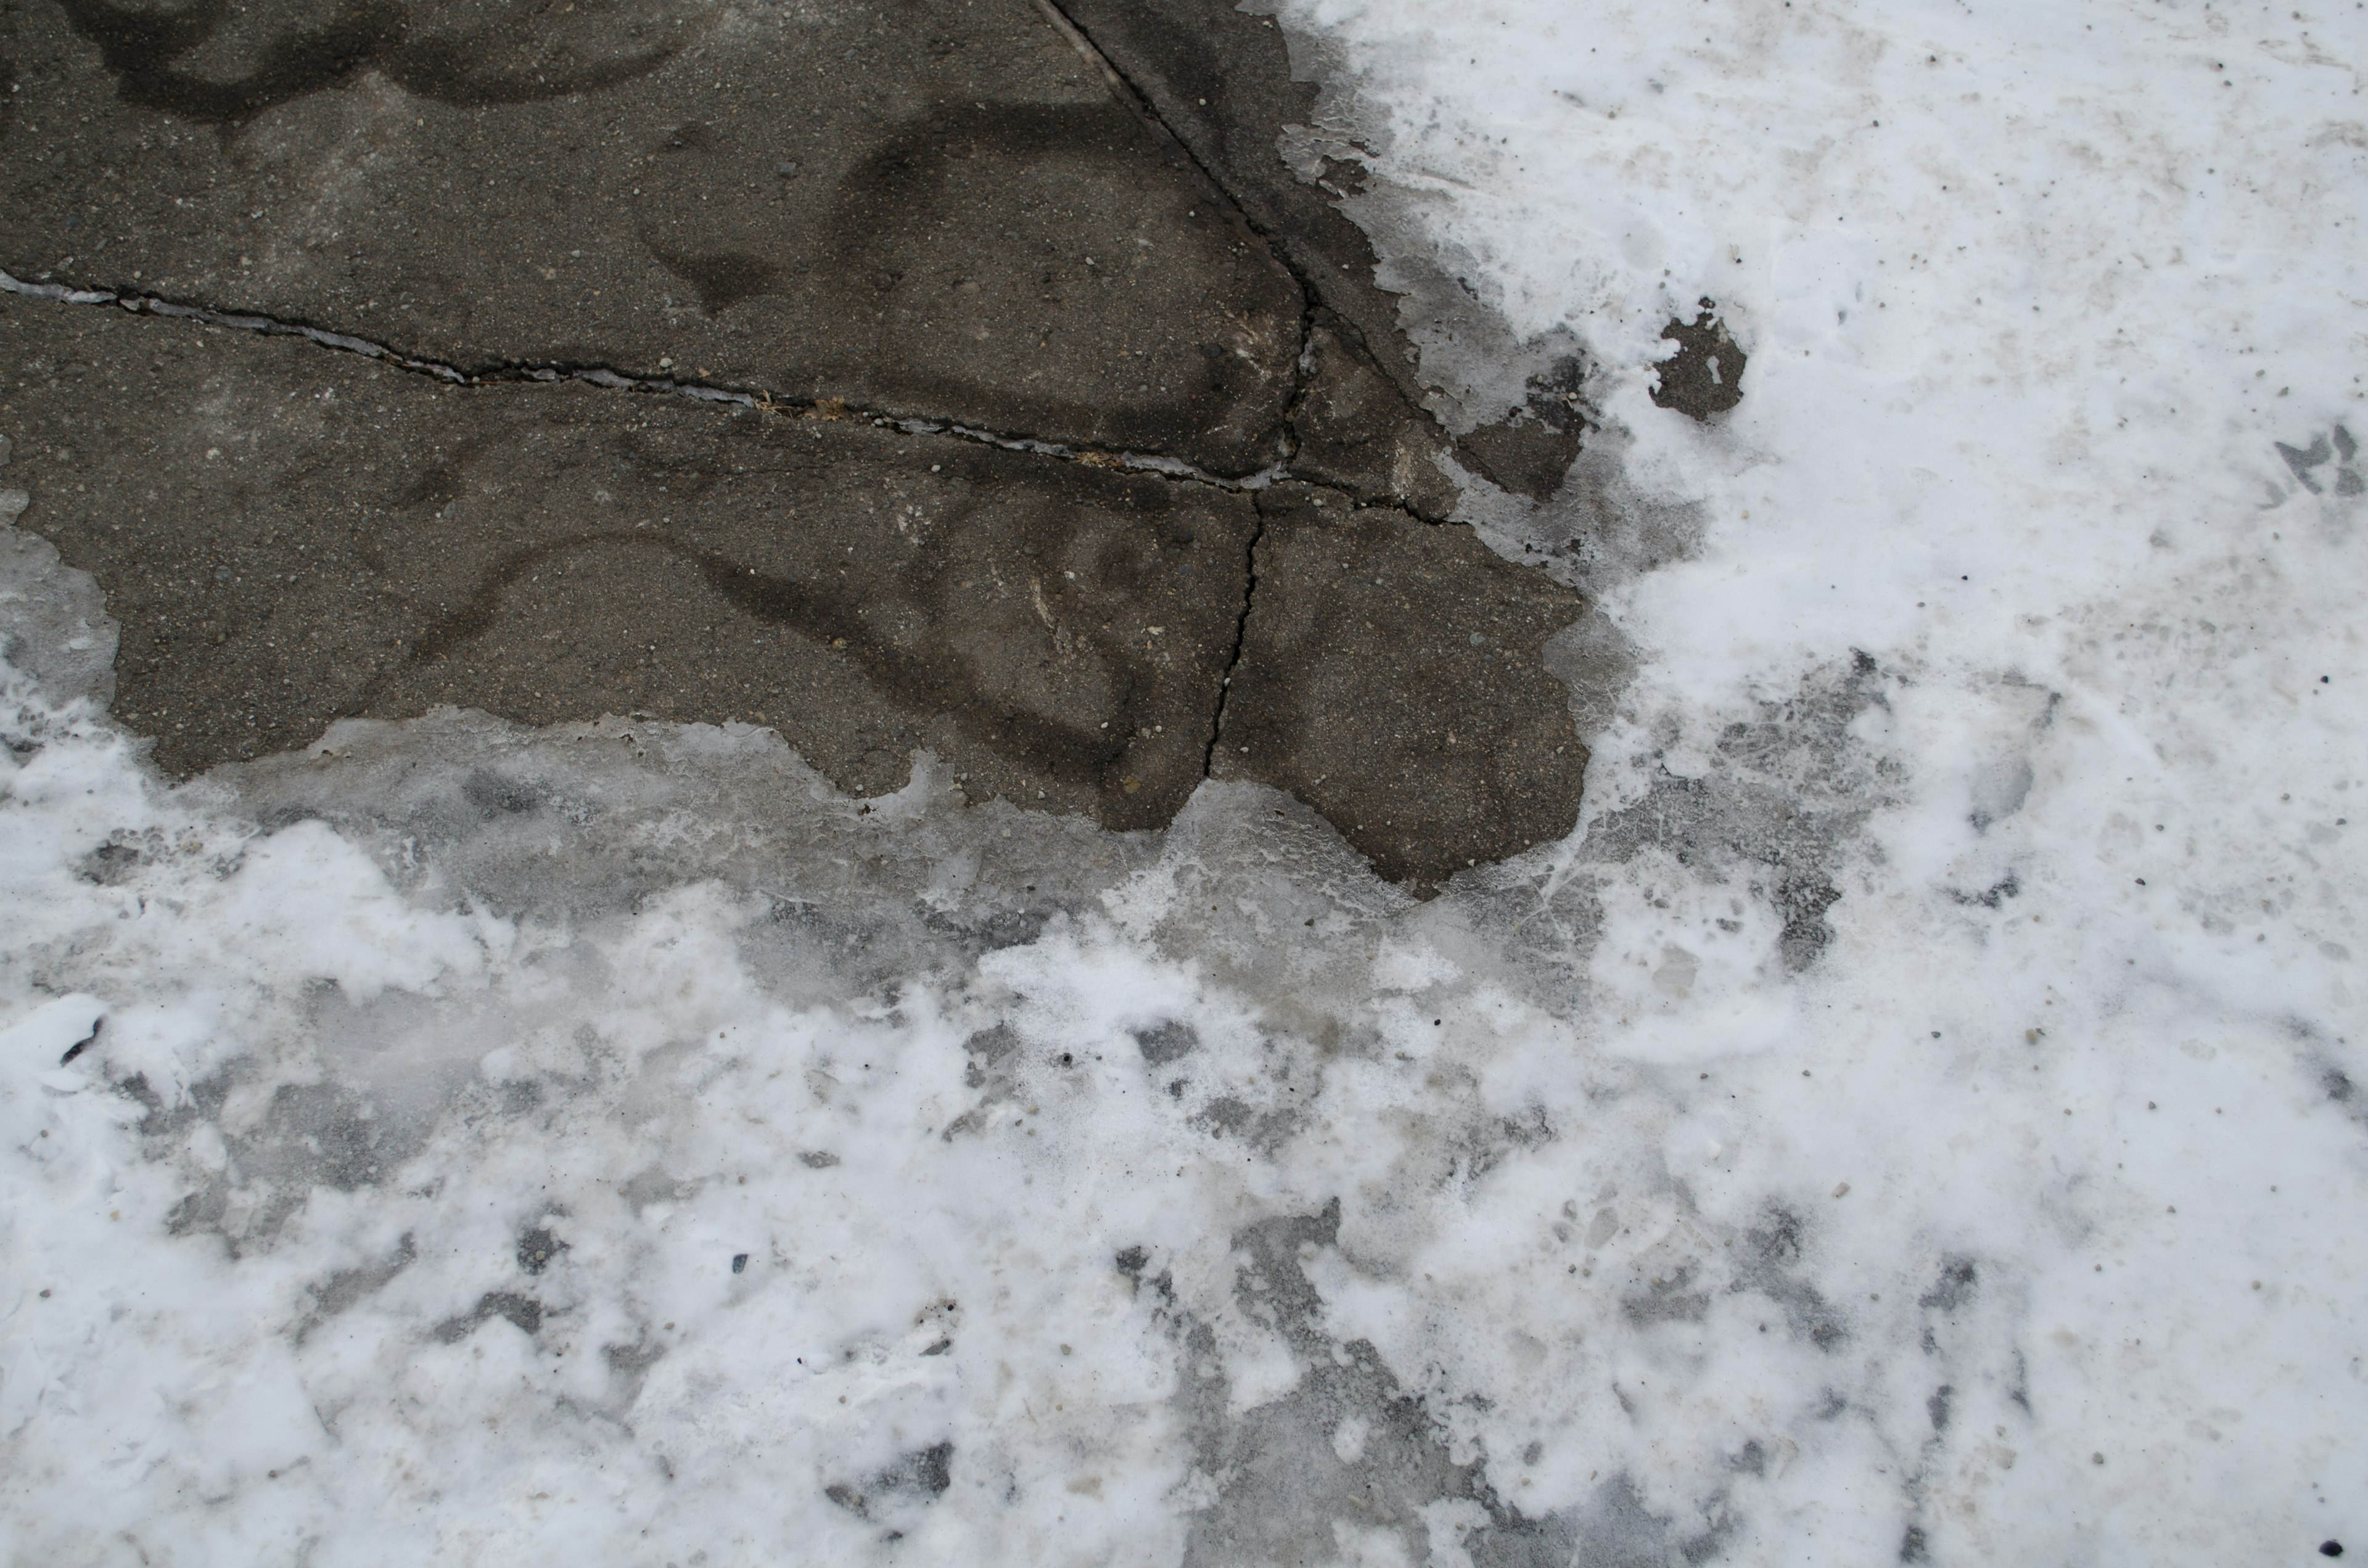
(941, 213)
(879, 224)
(1394, 676)
(1220, 77)
(290, 535)
(1356, 433)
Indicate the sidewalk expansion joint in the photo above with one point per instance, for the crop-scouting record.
(1174, 470)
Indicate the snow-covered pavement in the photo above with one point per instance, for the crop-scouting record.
(1920, 1115)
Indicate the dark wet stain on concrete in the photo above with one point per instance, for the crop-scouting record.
(1393, 675)
(154, 56)
(1074, 231)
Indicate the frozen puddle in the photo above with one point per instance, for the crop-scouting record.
(1919, 1114)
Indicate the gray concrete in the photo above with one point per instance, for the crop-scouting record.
(942, 213)
(290, 535)
(874, 226)
(1393, 675)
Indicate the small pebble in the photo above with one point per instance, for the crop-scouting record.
(2330, 1549)
(739, 1263)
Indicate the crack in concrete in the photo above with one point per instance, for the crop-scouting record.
(610, 378)
(1311, 296)
(1241, 637)
(1139, 103)
(1122, 87)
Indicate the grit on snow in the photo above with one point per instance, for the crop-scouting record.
(1920, 1114)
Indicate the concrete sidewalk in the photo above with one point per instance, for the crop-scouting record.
(977, 377)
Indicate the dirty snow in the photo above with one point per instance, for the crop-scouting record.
(1919, 1114)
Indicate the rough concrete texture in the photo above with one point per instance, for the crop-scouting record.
(1083, 237)
(1393, 675)
(941, 213)
(290, 536)
(1356, 433)
(1221, 77)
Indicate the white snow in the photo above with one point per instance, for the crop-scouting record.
(2008, 1209)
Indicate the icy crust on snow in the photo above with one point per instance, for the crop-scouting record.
(2053, 414)
(1920, 1114)
(610, 1141)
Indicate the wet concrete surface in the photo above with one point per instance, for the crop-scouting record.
(941, 213)
(1393, 676)
(290, 536)
(871, 223)
(1223, 78)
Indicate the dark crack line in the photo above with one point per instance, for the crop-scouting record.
(1311, 295)
(1123, 89)
(1173, 469)
(1241, 639)
(608, 378)
(1148, 465)
(1302, 375)
(1135, 99)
